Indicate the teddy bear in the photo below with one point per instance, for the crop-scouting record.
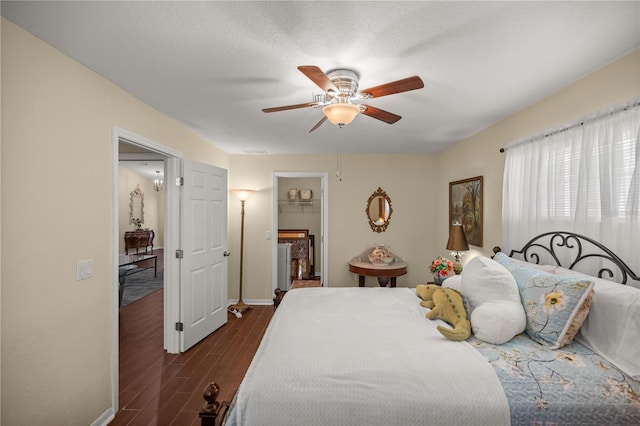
(445, 304)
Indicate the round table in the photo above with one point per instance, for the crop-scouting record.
(385, 273)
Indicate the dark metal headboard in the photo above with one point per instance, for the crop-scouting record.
(573, 251)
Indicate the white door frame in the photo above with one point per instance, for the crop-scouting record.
(171, 241)
(324, 227)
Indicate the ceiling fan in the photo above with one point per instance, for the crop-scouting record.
(340, 87)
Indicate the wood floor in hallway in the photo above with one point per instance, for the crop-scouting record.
(157, 388)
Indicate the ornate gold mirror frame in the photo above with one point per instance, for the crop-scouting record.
(379, 210)
(136, 207)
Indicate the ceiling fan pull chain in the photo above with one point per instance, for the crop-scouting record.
(338, 163)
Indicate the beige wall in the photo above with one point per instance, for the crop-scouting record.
(479, 155)
(407, 179)
(57, 174)
(153, 207)
(57, 119)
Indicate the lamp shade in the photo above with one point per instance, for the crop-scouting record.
(457, 239)
(341, 113)
(242, 194)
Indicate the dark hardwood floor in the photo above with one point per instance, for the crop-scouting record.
(157, 388)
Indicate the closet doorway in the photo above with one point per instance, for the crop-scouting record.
(300, 211)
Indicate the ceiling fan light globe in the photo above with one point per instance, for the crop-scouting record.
(341, 114)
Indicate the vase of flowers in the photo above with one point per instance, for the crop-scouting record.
(441, 269)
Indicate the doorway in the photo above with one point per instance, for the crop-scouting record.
(300, 202)
(170, 208)
(140, 221)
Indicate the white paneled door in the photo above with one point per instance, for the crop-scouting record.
(203, 268)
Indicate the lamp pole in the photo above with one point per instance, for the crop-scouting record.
(240, 303)
(243, 195)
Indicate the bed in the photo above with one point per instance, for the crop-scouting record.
(368, 356)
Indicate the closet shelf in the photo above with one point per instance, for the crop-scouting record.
(305, 205)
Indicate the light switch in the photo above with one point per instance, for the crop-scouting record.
(84, 269)
(267, 235)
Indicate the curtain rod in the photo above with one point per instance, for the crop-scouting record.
(617, 110)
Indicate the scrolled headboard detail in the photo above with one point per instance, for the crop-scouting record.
(576, 252)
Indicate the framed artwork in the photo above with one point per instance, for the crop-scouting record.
(465, 207)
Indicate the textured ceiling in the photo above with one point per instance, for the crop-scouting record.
(214, 65)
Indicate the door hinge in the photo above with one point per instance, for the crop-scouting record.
(179, 254)
(180, 181)
(179, 326)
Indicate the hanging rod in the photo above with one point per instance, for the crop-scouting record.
(633, 104)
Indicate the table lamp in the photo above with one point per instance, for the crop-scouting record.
(457, 242)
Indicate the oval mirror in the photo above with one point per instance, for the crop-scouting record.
(379, 210)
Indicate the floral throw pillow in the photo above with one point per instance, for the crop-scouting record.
(551, 303)
(555, 305)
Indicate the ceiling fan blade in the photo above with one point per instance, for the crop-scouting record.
(288, 107)
(318, 76)
(404, 85)
(380, 114)
(319, 123)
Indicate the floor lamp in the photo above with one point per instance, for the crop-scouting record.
(243, 195)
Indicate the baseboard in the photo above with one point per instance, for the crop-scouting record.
(105, 418)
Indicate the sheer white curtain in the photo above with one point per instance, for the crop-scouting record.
(583, 178)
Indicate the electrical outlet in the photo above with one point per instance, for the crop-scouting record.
(84, 269)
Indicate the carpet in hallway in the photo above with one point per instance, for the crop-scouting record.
(140, 284)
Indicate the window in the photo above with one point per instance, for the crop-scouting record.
(582, 178)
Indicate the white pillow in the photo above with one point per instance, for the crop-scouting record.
(483, 280)
(454, 282)
(612, 328)
(495, 311)
(498, 321)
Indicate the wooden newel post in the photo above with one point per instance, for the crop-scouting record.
(211, 408)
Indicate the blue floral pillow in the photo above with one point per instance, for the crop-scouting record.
(552, 303)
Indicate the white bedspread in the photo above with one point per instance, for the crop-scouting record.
(364, 356)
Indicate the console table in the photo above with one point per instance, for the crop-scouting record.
(385, 273)
(137, 239)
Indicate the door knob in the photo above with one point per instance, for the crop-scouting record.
(226, 254)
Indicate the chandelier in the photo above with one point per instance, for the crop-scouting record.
(157, 182)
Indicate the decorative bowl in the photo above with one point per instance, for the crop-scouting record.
(380, 260)
(387, 260)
